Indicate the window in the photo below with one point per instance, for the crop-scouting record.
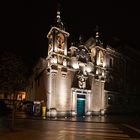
(93, 52)
(100, 57)
(110, 100)
(60, 41)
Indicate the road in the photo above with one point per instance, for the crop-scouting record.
(35, 129)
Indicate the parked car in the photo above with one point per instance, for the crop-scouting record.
(27, 106)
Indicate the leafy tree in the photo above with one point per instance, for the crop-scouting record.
(13, 77)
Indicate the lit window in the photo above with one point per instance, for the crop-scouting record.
(100, 57)
(110, 100)
(93, 52)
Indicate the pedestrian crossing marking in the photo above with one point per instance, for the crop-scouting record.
(96, 133)
(107, 128)
(108, 131)
(97, 130)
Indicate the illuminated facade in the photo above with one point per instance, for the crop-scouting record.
(79, 80)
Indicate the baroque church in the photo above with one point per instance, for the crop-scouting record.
(81, 80)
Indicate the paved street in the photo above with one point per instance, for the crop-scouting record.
(107, 118)
(66, 129)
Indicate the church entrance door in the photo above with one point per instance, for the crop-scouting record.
(80, 105)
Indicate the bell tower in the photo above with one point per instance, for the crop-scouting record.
(57, 37)
(57, 72)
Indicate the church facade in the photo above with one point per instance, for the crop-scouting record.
(80, 80)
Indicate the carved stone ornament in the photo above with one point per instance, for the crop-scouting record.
(81, 82)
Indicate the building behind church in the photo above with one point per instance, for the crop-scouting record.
(87, 78)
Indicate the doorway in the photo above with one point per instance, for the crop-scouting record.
(80, 105)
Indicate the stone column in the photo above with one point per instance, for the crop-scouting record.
(74, 103)
(65, 46)
(88, 104)
(102, 98)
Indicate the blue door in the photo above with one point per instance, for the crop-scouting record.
(80, 106)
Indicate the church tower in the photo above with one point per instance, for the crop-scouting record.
(98, 58)
(57, 37)
(58, 81)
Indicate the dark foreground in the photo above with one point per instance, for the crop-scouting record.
(92, 128)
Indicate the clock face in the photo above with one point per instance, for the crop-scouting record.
(60, 41)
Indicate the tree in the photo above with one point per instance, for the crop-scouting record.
(13, 77)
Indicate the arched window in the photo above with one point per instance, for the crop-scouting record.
(100, 57)
(93, 53)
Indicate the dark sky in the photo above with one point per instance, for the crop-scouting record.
(115, 20)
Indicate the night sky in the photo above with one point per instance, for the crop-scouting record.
(116, 20)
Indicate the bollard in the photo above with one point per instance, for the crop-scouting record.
(43, 111)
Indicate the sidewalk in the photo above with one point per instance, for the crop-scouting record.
(100, 119)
